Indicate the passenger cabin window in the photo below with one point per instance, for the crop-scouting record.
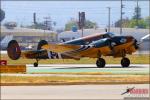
(87, 42)
(106, 36)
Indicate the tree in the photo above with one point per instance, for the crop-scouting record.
(141, 23)
(137, 13)
(2, 15)
(90, 24)
(132, 23)
(147, 21)
(70, 24)
(125, 23)
(136, 21)
(73, 23)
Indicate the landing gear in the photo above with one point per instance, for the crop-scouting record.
(39, 47)
(100, 63)
(36, 63)
(125, 62)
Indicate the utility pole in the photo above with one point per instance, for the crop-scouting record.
(137, 16)
(34, 18)
(121, 19)
(149, 15)
(81, 21)
(48, 23)
(121, 13)
(108, 19)
(47, 26)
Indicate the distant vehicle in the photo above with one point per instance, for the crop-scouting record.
(4, 42)
(10, 25)
(29, 47)
(93, 46)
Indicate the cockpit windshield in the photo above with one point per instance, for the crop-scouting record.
(110, 34)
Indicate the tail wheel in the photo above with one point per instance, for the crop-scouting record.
(35, 64)
(100, 63)
(13, 50)
(125, 62)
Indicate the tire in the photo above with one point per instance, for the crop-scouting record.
(125, 62)
(35, 64)
(100, 63)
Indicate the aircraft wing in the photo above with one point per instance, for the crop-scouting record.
(61, 48)
(75, 51)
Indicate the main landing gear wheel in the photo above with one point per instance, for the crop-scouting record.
(100, 63)
(125, 62)
(35, 64)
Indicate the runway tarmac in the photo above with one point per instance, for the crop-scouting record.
(76, 91)
(75, 68)
(72, 92)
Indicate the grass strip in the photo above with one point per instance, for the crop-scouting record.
(135, 59)
(62, 80)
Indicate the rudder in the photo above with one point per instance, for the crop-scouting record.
(13, 50)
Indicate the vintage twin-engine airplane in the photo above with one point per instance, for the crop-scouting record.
(94, 46)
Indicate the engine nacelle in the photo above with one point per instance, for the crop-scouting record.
(41, 43)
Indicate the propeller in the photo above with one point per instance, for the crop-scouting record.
(144, 37)
(138, 45)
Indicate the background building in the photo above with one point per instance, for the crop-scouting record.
(24, 35)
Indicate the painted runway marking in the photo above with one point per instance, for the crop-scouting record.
(111, 68)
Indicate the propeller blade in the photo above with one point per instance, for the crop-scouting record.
(144, 37)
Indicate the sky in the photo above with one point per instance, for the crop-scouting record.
(62, 11)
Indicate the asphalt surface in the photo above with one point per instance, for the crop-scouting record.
(81, 68)
(76, 91)
(71, 92)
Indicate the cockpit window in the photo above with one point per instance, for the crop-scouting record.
(105, 36)
(111, 34)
